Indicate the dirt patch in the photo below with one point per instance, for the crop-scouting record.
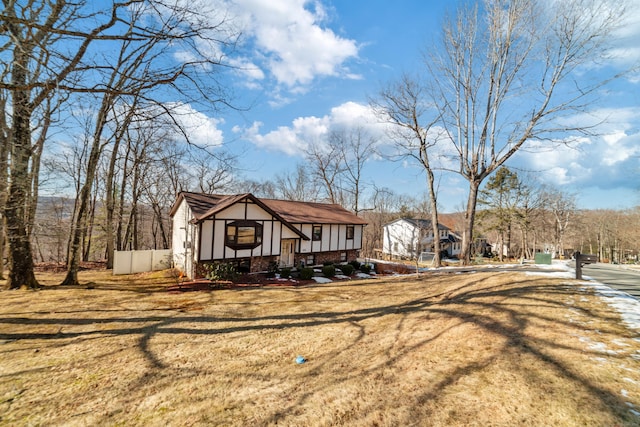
(477, 349)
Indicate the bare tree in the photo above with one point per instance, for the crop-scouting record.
(266, 189)
(495, 79)
(29, 84)
(562, 207)
(57, 48)
(531, 202)
(325, 167)
(212, 173)
(355, 146)
(384, 205)
(414, 133)
(296, 185)
(139, 69)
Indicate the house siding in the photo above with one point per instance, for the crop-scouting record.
(403, 238)
(183, 238)
(405, 234)
(197, 244)
(213, 246)
(333, 247)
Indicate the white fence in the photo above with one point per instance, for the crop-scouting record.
(129, 262)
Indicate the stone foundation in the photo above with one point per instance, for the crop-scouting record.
(261, 264)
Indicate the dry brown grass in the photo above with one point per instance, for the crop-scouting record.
(481, 349)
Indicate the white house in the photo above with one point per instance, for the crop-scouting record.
(253, 232)
(408, 238)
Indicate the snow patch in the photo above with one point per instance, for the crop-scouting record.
(601, 347)
(625, 304)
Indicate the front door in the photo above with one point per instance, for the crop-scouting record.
(287, 252)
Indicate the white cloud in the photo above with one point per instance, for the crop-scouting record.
(291, 41)
(285, 139)
(603, 161)
(251, 71)
(294, 139)
(351, 114)
(202, 130)
(617, 148)
(626, 51)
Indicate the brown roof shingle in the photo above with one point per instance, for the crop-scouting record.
(205, 205)
(313, 213)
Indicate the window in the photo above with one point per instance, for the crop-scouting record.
(350, 232)
(243, 235)
(343, 256)
(311, 260)
(316, 233)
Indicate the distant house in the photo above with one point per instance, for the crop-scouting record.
(253, 233)
(408, 238)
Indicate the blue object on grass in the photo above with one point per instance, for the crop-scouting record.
(300, 360)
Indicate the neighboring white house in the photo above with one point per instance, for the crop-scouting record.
(408, 238)
(254, 232)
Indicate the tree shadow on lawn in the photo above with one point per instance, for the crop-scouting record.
(503, 312)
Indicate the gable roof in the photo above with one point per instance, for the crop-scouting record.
(313, 213)
(204, 206)
(200, 203)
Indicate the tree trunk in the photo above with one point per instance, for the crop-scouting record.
(469, 218)
(20, 257)
(110, 205)
(120, 244)
(157, 213)
(79, 223)
(89, 229)
(433, 200)
(4, 181)
(508, 242)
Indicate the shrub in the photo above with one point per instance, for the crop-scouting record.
(347, 269)
(272, 269)
(365, 268)
(221, 271)
(356, 264)
(285, 273)
(329, 270)
(306, 273)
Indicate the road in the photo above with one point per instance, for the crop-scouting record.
(616, 276)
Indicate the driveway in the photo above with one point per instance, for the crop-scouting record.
(621, 277)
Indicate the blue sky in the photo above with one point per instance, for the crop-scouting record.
(309, 66)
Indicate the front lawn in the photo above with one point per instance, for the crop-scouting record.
(444, 349)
